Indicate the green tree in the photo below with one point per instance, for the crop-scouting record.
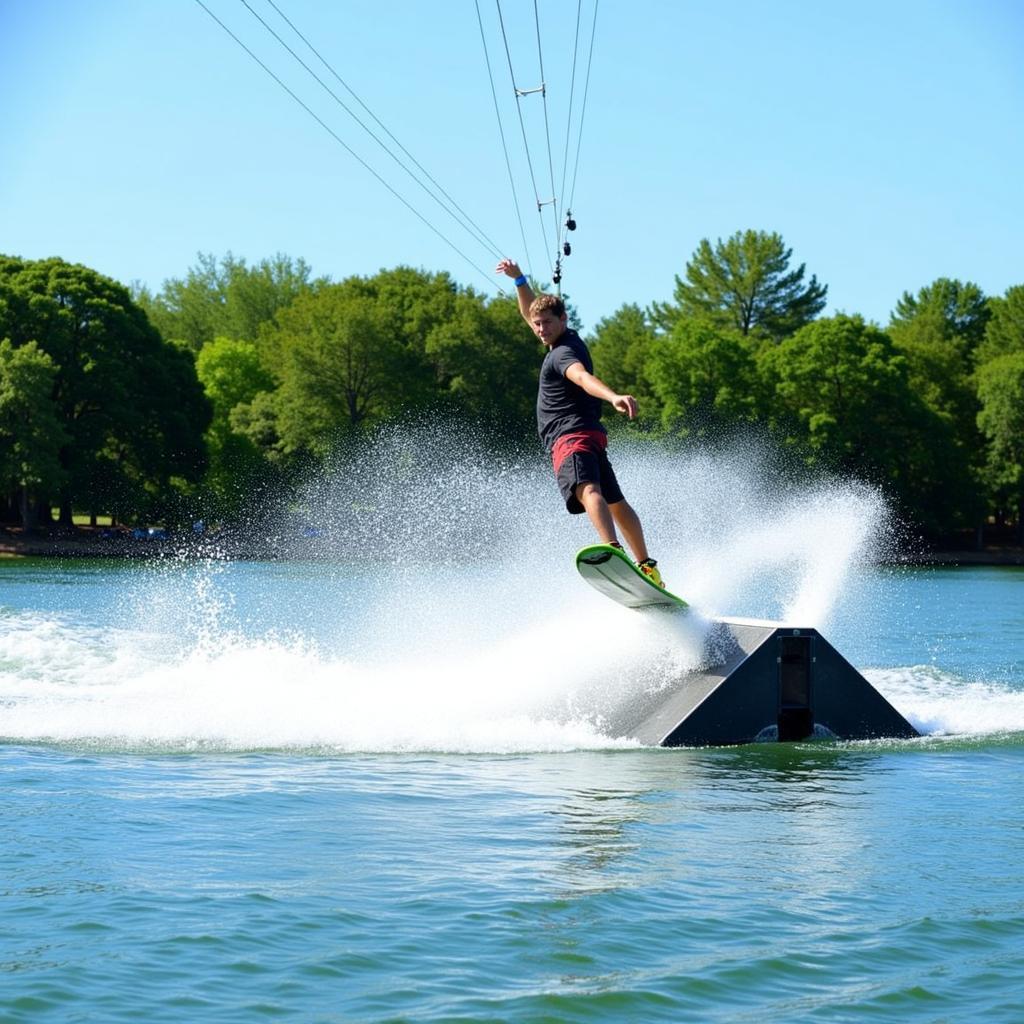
(230, 372)
(256, 421)
(1004, 332)
(404, 340)
(953, 310)
(339, 369)
(410, 304)
(705, 377)
(225, 298)
(232, 376)
(130, 404)
(621, 346)
(843, 393)
(938, 331)
(1001, 419)
(31, 434)
(486, 362)
(745, 283)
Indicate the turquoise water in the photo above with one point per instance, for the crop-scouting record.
(313, 791)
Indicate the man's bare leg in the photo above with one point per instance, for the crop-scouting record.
(590, 497)
(626, 519)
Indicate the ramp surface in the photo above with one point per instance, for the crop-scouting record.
(762, 681)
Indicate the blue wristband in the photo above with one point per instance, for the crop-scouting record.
(520, 281)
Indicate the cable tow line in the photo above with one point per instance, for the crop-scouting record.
(341, 142)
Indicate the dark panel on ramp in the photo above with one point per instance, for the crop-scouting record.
(763, 681)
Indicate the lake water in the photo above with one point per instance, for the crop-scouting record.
(380, 788)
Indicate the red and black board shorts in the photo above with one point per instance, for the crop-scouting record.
(582, 458)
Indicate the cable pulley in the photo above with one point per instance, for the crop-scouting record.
(562, 219)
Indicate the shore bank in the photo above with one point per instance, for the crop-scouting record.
(87, 543)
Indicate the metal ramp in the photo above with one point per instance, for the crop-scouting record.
(763, 681)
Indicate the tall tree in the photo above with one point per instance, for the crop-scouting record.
(953, 310)
(31, 433)
(621, 346)
(1004, 332)
(232, 376)
(130, 405)
(339, 369)
(1001, 419)
(704, 377)
(486, 361)
(938, 332)
(842, 392)
(409, 304)
(745, 283)
(225, 298)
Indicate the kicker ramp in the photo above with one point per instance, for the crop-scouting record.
(763, 681)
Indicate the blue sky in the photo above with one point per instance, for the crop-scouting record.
(882, 140)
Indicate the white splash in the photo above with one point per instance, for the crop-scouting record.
(939, 703)
(435, 608)
(531, 691)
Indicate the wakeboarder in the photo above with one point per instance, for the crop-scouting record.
(569, 399)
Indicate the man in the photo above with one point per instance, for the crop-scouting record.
(569, 422)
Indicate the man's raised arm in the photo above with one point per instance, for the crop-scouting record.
(524, 293)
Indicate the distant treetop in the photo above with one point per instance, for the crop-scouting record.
(745, 283)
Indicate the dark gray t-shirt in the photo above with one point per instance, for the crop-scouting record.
(564, 407)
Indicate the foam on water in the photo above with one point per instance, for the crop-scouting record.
(529, 691)
(939, 703)
(436, 609)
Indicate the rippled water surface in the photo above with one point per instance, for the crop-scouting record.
(839, 883)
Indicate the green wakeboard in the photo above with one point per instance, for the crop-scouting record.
(612, 572)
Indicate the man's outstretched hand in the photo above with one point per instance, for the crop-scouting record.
(626, 404)
(508, 267)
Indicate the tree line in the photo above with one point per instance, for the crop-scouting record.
(229, 385)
